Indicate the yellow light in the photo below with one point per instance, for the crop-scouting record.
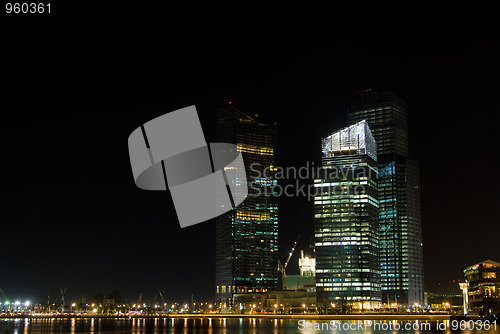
(255, 149)
(252, 215)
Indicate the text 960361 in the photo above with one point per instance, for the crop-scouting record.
(27, 8)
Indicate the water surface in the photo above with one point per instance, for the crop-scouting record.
(223, 325)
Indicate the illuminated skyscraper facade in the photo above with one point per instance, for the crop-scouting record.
(346, 221)
(247, 236)
(483, 288)
(400, 231)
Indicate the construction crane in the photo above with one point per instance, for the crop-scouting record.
(161, 296)
(3, 294)
(63, 302)
(5, 301)
(140, 298)
(282, 267)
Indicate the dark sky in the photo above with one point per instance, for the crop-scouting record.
(75, 84)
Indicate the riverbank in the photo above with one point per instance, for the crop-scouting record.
(380, 317)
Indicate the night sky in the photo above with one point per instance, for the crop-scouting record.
(75, 84)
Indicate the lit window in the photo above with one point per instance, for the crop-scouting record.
(489, 275)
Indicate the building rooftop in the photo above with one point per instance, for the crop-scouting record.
(354, 139)
(489, 262)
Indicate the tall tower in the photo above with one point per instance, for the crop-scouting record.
(346, 221)
(400, 230)
(247, 236)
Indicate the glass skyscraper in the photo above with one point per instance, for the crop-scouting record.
(247, 236)
(346, 221)
(400, 231)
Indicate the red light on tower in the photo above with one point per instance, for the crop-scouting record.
(229, 102)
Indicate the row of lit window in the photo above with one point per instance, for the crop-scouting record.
(252, 215)
(344, 243)
(345, 230)
(351, 236)
(224, 289)
(349, 289)
(349, 284)
(343, 271)
(337, 201)
(261, 150)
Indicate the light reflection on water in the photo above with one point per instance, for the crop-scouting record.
(197, 325)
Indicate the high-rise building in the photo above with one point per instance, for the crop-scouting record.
(482, 288)
(247, 236)
(400, 231)
(306, 280)
(346, 221)
(307, 265)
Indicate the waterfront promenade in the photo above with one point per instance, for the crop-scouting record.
(298, 316)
